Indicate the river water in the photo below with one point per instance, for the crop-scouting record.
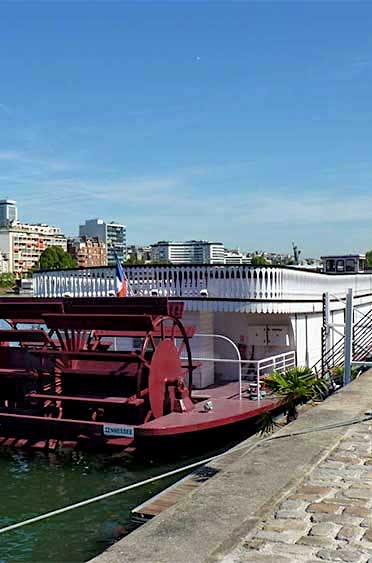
(32, 483)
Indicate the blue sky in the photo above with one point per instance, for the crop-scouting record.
(246, 122)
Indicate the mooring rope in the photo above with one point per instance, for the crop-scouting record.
(357, 420)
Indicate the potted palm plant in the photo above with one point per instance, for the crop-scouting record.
(295, 386)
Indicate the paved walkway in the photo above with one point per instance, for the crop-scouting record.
(327, 518)
(295, 499)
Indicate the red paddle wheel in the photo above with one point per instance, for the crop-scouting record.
(92, 368)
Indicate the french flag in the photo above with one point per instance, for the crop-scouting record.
(121, 283)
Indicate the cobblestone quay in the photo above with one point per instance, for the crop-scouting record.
(326, 518)
(297, 499)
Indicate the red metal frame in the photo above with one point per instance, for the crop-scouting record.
(64, 366)
(64, 380)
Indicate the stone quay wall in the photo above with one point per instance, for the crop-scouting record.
(296, 499)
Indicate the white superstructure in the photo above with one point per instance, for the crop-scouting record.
(267, 311)
(344, 263)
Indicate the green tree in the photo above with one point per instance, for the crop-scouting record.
(55, 258)
(369, 258)
(295, 386)
(259, 260)
(7, 280)
(134, 260)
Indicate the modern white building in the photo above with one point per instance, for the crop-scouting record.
(114, 235)
(188, 252)
(236, 257)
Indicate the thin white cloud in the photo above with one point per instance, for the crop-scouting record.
(34, 163)
(182, 198)
(183, 205)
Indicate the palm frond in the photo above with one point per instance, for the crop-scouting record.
(266, 424)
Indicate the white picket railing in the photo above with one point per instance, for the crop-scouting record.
(260, 368)
(256, 370)
(229, 282)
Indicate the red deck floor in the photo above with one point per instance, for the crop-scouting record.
(227, 409)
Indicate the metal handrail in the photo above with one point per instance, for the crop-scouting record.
(288, 362)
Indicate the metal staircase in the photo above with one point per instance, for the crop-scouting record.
(335, 356)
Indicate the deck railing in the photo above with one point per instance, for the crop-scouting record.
(260, 368)
(231, 282)
(256, 370)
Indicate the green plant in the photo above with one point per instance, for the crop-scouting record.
(295, 386)
(259, 260)
(134, 260)
(337, 374)
(266, 424)
(369, 258)
(7, 280)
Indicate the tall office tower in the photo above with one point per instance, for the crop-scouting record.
(8, 212)
(114, 235)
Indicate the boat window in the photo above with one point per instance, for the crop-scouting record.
(362, 265)
(340, 265)
(350, 265)
(331, 265)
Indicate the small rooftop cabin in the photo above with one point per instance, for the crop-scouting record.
(344, 264)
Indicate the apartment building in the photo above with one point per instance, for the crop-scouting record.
(88, 252)
(22, 244)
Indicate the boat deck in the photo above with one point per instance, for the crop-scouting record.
(227, 409)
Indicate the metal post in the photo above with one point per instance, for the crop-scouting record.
(325, 333)
(348, 336)
(236, 350)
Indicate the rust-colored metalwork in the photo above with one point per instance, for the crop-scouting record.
(106, 371)
(93, 365)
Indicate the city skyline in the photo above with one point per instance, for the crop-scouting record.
(242, 122)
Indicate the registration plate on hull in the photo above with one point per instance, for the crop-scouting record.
(120, 430)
